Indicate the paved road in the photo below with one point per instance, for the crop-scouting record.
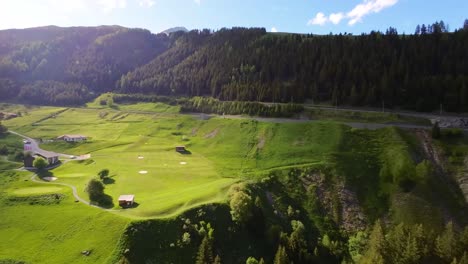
(371, 126)
(36, 149)
(74, 191)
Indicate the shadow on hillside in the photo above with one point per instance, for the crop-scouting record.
(185, 152)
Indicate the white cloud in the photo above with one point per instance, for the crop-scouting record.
(109, 5)
(198, 2)
(336, 18)
(274, 30)
(355, 15)
(146, 3)
(319, 19)
(368, 7)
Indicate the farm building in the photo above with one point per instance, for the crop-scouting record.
(180, 149)
(28, 161)
(51, 158)
(126, 200)
(72, 138)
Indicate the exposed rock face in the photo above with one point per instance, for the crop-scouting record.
(452, 122)
(463, 180)
(339, 202)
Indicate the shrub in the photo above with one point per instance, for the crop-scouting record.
(40, 163)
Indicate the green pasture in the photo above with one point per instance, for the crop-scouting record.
(222, 151)
(37, 228)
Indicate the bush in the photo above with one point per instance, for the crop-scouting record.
(40, 163)
(3, 129)
(95, 190)
(3, 150)
(436, 131)
(453, 133)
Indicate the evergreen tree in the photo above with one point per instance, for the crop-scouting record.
(217, 260)
(376, 247)
(418, 30)
(281, 257)
(205, 252)
(446, 246)
(436, 131)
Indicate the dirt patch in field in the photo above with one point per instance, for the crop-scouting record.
(141, 157)
(299, 142)
(50, 178)
(212, 134)
(183, 163)
(143, 172)
(261, 142)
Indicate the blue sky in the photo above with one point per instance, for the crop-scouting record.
(301, 16)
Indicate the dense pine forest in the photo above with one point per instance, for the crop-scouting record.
(422, 71)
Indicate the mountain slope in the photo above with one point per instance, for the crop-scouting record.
(420, 72)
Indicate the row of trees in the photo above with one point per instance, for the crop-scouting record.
(413, 244)
(211, 105)
(54, 93)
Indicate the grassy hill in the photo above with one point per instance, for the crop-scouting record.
(335, 180)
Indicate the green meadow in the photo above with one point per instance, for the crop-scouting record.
(139, 151)
(137, 144)
(43, 224)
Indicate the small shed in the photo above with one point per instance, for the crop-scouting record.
(51, 157)
(180, 149)
(126, 200)
(72, 138)
(28, 160)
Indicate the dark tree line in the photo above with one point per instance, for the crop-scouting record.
(421, 71)
(54, 93)
(417, 72)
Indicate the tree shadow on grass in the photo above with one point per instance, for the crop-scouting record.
(108, 180)
(104, 201)
(44, 173)
(134, 205)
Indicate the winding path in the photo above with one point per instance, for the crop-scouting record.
(74, 191)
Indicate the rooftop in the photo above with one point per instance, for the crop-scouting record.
(72, 136)
(126, 197)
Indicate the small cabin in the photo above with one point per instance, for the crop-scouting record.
(180, 149)
(126, 200)
(51, 157)
(72, 138)
(28, 160)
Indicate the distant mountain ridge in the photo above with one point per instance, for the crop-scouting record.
(174, 29)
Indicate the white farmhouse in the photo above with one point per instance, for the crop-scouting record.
(72, 138)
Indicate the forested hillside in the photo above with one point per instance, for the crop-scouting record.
(421, 71)
(93, 58)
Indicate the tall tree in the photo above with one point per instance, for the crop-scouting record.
(281, 257)
(376, 248)
(447, 247)
(205, 252)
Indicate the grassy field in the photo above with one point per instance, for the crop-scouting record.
(137, 144)
(43, 224)
(365, 117)
(139, 151)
